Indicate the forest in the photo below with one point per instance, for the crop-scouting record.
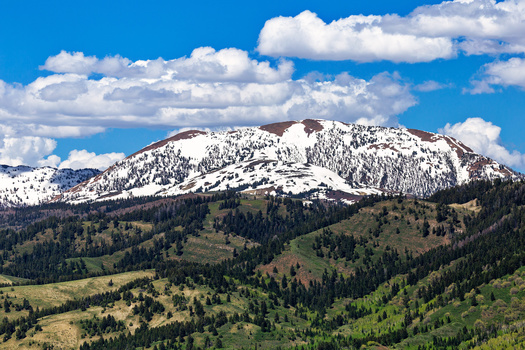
(226, 270)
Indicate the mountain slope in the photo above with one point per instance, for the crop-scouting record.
(205, 270)
(403, 160)
(23, 185)
(271, 177)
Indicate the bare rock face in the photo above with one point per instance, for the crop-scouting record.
(314, 158)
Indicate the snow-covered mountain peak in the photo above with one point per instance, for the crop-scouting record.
(24, 185)
(392, 159)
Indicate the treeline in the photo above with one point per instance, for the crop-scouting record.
(47, 261)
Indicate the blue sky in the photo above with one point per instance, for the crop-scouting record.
(86, 83)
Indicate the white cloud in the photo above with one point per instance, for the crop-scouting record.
(511, 72)
(208, 89)
(479, 87)
(484, 138)
(80, 159)
(28, 150)
(359, 38)
(431, 85)
(36, 151)
(503, 73)
(204, 64)
(77, 63)
(50, 161)
(428, 33)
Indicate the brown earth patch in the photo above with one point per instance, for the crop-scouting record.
(262, 191)
(383, 146)
(475, 168)
(277, 128)
(423, 135)
(454, 144)
(339, 195)
(283, 264)
(188, 186)
(311, 125)
(109, 195)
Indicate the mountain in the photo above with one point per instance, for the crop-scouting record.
(24, 185)
(326, 157)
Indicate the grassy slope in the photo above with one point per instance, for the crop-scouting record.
(211, 246)
(400, 216)
(64, 331)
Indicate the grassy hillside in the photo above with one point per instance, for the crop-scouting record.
(219, 271)
(392, 225)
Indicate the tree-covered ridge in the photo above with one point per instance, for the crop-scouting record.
(375, 284)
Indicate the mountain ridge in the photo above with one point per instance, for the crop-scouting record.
(366, 157)
(24, 185)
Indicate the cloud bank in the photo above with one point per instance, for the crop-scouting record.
(440, 31)
(210, 88)
(484, 138)
(86, 95)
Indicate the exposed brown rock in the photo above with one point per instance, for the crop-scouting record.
(339, 195)
(423, 135)
(456, 145)
(188, 186)
(277, 128)
(109, 195)
(262, 191)
(311, 125)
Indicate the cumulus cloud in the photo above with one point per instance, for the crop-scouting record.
(204, 64)
(80, 159)
(37, 151)
(208, 89)
(28, 150)
(428, 33)
(77, 63)
(359, 38)
(502, 73)
(484, 138)
(511, 72)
